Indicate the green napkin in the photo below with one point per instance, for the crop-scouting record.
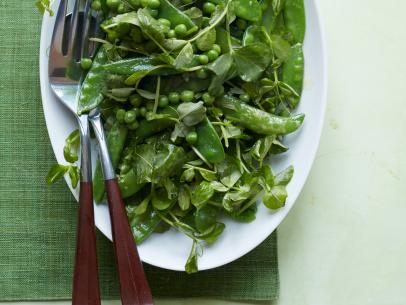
(38, 223)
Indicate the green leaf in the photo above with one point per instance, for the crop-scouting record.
(191, 113)
(278, 147)
(284, 177)
(180, 130)
(201, 194)
(142, 207)
(207, 40)
(232, 199)
(188, 175)
(206, 218)
(275, 198)
(191, 263)
(248, 215)
(74, 175)
(228, 171)
(44, 6)
(256, 34)
(130, 18)
(281, 47)
(151, 27)
(251, 61)
(221, 65)
(142, 226)
(160, 200)
(184, 57)
(184, 198)
(170, 188)
(211, 236)
(56, 173)
(218, 187)
(248, 9)
(70, 149)
(207, 175)
(173, 44)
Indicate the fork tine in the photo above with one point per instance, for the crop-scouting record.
(73, 32)
(86, 30)
(59, 28)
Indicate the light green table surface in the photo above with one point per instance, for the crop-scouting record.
(345, 240)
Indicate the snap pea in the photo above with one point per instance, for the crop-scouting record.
(208, 142)
(258, 120)
(293, 73)
(295, 19)
(142, 225)
(116, 139)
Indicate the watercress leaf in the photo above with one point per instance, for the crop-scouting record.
(278, 147)
(194, 13)
(170, 188)
(260, 149)
(207, 40)
(173, 44)
(221, 65)
(160, 200)
(164, 58)
(205, 218)
(266, 180)
(44, 6)
(197, 162)
(130, 18)
(191, 263)
(185, 56)
(151, 27)
(184, 198)
(211, 236)
(231, 131)
(228, 171)
(218, 187)
(56, 172)
(256, 34)
(142, 226)
(191, 113)
(188, 175)
(146, 94)
(281, 47)
(74, 175)
(70, 149)
(180, 130)
(207, 174)
(248, 215)
(201, 194)
(284, 177)
(219, 13)
(251, 61)
(275, 198)
(248, 9)
(232, 199)
(142, 207)
(169, 11)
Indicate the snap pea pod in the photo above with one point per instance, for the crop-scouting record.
(208, 142)
(93, 85)
(258, 120)
(149, 128)
(116, 139)
(142, 225)
(295, 19)
(168, 11)
(293, 73)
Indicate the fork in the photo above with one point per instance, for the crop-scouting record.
(69, 44)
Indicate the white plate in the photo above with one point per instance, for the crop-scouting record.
(170, 250)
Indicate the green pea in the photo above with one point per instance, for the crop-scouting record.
(154, 13)
(86, 63)
(133, 126)
(120, 114)
(212, 55)
(163, 101)
(241, 24)
(203, 59)
(202, 74)
(173, 97)
(136, 35)
(150, 105)
(208, 99)
(135, 100)
(171, 34)
(154, 4)
(180, 30)
(143, 111)
(144, 3)
(245, 98)
(130, 116)
(112, 4)
(187, 96)
(191, 137)
(96, 5)
(216, 48)
(121, 8)
(164, 22)
(208, 8)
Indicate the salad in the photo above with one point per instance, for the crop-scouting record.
(196, 98)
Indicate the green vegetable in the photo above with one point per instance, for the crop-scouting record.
(196, 97)
(258, 120)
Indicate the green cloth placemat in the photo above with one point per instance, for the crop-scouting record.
(37, 222)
